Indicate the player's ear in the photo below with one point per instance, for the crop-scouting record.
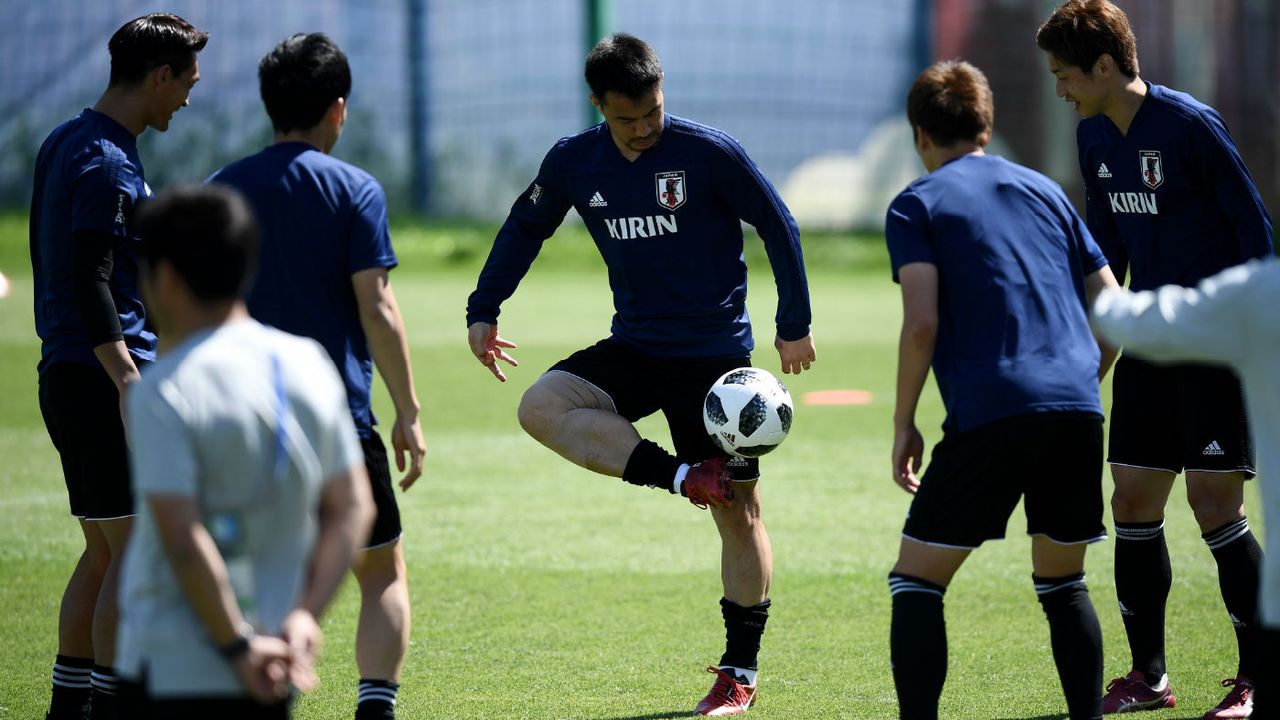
(338, 110)
(160, 75)
(1104, 66)
(595, 101)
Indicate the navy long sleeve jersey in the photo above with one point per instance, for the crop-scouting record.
(668, 226)
(1172, 200)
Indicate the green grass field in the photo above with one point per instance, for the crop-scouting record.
(544, 591)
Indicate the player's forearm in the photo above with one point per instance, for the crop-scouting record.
(116, 360)
(1172, 324)
(202, 575)
(346, 517)
(389, 346)
(1094, 284)
(915, 353)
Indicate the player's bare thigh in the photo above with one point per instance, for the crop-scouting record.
(1140, 493)
(555, 394)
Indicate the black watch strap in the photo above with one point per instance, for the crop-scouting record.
(238, 647)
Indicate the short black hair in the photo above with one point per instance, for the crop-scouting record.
(207, 233)
(952, 102)
(151, 41)
(300, 78)
(623, 64)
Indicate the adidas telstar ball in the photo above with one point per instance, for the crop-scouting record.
(747, 412)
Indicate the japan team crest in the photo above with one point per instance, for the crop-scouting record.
(1151, 168)
(670, 189)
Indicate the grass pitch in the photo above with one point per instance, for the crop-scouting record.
(541, 590)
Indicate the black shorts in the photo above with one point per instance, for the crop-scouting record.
(975, 478)
(640, 385)
(1179, 418)
(81, 410)
(386, 526)
(136, 704)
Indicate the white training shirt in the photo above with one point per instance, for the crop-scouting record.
(203, 422)
(1232, 318)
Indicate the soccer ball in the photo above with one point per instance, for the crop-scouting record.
(747, 412)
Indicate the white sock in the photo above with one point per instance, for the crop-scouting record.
(738, 672)
(678, 483)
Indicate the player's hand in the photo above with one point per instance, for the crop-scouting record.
(406, 439)
(908, 451)
(303, 636)
(796, 355)
(264, 669)
(489, 348)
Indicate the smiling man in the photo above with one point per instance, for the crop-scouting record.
(664, 199)
(1170, 199)
(93, 326)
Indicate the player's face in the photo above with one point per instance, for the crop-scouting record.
(634, 123)
(1083, 91)
(173, 94)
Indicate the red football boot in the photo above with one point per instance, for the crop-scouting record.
(708, 483)
(727, 696)
(1131, 694)
(1237, 704)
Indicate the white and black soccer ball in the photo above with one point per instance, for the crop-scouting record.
(747, 412)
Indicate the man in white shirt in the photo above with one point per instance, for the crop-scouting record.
(250, 486)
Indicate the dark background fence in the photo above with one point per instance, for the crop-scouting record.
(456, 101)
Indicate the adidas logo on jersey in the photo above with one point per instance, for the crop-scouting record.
(1213, 448)
(1103, 172)
(597, 200)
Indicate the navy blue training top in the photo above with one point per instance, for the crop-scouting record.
(322, 220)
(1012, 254)
(88, 178)
(1172, 200)
(669, 227)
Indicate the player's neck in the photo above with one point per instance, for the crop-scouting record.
(940, 156)
(1124, 107)
(190, 318)
(318, 137)
(126, 106)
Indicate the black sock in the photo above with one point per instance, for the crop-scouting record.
(1076, 638)
(1266, 691)
(743, 627)
(650, 465)
(102, 703)
(70, 687)
(917, 645)
(1143, 579)
(376, 699)
(1239, 561)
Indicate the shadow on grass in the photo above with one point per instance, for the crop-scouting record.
(1063, 716)
(653, 716)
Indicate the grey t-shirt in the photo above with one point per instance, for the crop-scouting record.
(250, 422)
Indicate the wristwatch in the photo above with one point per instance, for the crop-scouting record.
(234, 649)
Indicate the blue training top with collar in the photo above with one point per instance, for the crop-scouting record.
(1012, 255)
(669, 227)
(322, 220)
(1171, 200)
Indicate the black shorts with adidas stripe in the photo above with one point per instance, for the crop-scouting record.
(1050, 460)
(1178, 418)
